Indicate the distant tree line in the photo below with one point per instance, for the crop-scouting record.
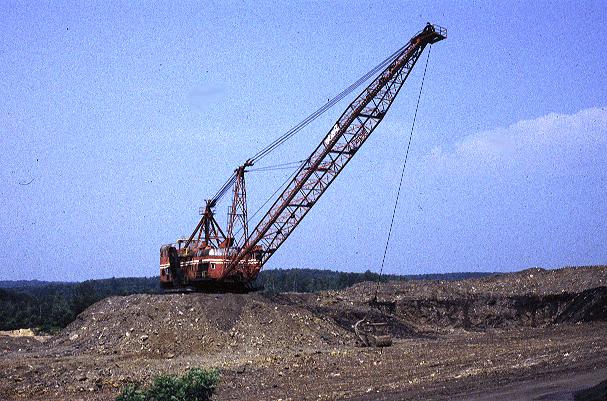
(52, 306)
(313, 280)
(48, 307)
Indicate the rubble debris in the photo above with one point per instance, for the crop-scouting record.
(448, 338)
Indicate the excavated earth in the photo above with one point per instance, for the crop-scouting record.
(536, 334)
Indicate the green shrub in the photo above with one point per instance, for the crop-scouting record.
(132, 392)
(166, 388)
(195, 385)
(200, 384)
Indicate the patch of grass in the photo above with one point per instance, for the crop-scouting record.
(195, 385)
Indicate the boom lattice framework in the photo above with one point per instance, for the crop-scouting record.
(338, 147)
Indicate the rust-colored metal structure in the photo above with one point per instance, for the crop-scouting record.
(211, 258)
(372, 334)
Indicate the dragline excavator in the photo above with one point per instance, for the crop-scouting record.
(212, 257)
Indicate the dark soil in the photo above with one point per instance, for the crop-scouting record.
(594, 393)
(452, 340)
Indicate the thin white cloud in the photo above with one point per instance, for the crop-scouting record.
(555, 140)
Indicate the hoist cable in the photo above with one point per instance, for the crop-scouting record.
(402, 174)
(281, 166)
(298, 127)
(225, 188)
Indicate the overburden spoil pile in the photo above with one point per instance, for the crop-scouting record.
(449, 338)
(533, 297)
(173, 324)
(206, 324)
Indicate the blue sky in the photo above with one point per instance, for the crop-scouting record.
(127, 115)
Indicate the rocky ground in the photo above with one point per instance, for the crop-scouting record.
(535, 334)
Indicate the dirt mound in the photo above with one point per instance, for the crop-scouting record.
(10, 344)
(481, 312)
(20, 340)
(535, 281)
(197, 324)
(449, 337)
(588, 306)
(207, 324)
(530, 298)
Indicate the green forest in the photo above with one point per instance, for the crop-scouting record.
(47, 307)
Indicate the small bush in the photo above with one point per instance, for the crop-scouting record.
(195, 385)
(132, 393)
(167, 387)
(200, 384)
